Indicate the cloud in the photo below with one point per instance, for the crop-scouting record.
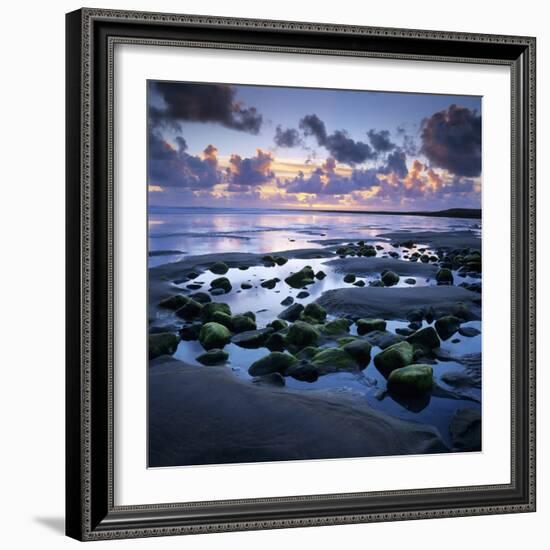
(174, 102)
(451, 139)
(251, 171)
(381, 141)
(396, 162)
(287, 138)
(338, 144)
(172, 166)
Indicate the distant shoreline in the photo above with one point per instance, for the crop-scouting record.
(469, 213)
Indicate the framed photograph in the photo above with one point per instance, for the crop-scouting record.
(300, 274)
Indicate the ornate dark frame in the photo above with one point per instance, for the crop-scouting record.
(91, 37)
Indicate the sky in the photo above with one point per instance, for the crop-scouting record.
(226, 145)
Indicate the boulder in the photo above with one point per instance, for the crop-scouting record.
(395, 357)
(270, 283)
(390, 278)
(190, 332)
(302, 334)
(246, 286)
(190, 310)
(304, 372)
(360, 350)
(163, 343)
(302, 294)
(359, 283)
(411, 380)
(274, 362)
(221, 282)
(383, 338)
(280, 260)
(289, 300)
(447, 326)
(425, 337)
(336, 327)
(320, 275)
(444, 276)
(468, 332)
(278, 324)
(200, 297)
(410, 281)
(223, 319)
(291, 313)
(301, 278)
(214, 356)
(242, 323)
(308, 352)
(364, 326)
(214, 335)
(271, 379)
(275, 342)
(219, 268)
(349, 278)
(174, 302)
(315, 311)
(209, 309)
(333, 360)
(252, 339)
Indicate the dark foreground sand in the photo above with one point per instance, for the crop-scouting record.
(208, 416)
(436, 239)
(395, 303)
(371, 266)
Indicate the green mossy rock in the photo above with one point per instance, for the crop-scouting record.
(174, 302)
(412, 380)
(447, 326)
(242, 323)
(200, 297)
(395, 357)
(444, 276)
(364, 326)
(390, 278)
(223, 319)
(346, 340)
(425, 337)
(252, 339)
(349, 278)
(302, 334)
(333, 360)
(308, 352)
(191, 331)
(213, 357)
(163, 343)
(269, 284)
(208, 310)
(303, 372)
(221, 282)
(301, 278)
(276, 342)
(359, 350)
(190, 310)
(280, 260)
(246, 286)
(320, 275)
(278, 324)
(336, 327)
(291, 313)
(219, 268)
(250, 315)
(214, 335)
(315, 311)
(274, 362)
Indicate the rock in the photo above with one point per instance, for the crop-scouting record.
(469, 332)
(287, 301)
(190, 332)
(242, 323)
(192, 275)
(274, 362)
(360, 350)
(243, 267)
(194, 286)
(395, 357)
(376, 283)
(390, 278)
(315, 311)
(280, 260)
(219, 268)
(209, 309)
(424, 258)
(404, 331)
(217, 291)
(410, 281)
(462, 311)
(364, 326)
(278, 324)
(223, 319)
(214, 356)
(415, 315)
(333, 360)
(465, 429)
(174, 302)
(157, 329)
(221, 282)
(301, 278)
(250, 315)
(302, 334)
(320, 275)
(349, 278)
(252, 339)
(444, 276)
(213, 335)
(359, 283)
(302, 294)
(411, 380)
(345, 340)
(447, 326)
(275, 342)
(336, 327)
(163, 343)
(200, 297)
(455, 340)
(425, 337)
(430, 315)
(190, 310)
(246, 286)
(270, 283)
(271, 379)
(291, 313)
(382, 338)
(303, 372)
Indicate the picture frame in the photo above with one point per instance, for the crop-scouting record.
(91, 512)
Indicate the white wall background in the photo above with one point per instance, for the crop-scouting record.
(32, 294)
